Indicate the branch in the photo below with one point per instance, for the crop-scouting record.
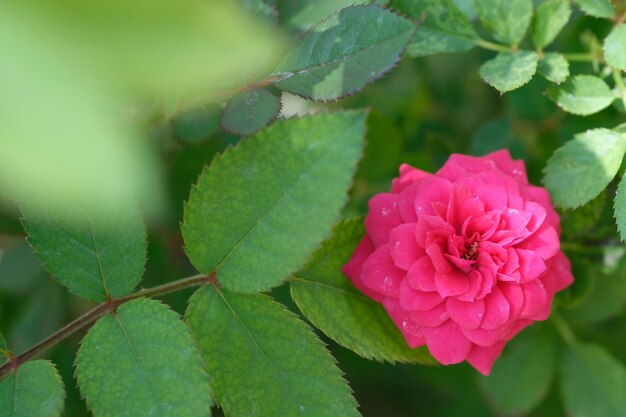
(87, 319)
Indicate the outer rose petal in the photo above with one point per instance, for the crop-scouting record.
(561, 267)
(382, 217)
(447, 343)
(380, 274)
(353, 268)
(408, 175)
(410, 330)
(482, 358)
(404, 248)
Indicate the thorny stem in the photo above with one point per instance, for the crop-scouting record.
(91, 316)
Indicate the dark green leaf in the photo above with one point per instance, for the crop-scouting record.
(583, 167)
(506, 20)
(250, 111)
(593, 383)
(329, 301)
(620, 207)
(141, 361)
(597, 8)
(550, 17)
(261, 208)
(582, 95)
(554, 67)
(35, 390)
(522, 376)
(443, 27)
(195, 125)
(344, 52)
(20, 269)
(508, 71)
(3, 347)
(93, 254)
(263, 360)
(301, 15)
(615, 47)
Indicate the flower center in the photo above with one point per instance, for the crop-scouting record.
(472, 252)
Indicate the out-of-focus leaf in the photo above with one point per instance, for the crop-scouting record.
(593, 382)
(580, 221)
(443, 27)
(344, 52)
(261, 208)
(522, 376)
(554, 67)
(582, 95)
(195, 125)
(142, 361)
(35, 389)
(597, 8)
(19, 268)
(508, 71)
(583, 167)
(506, 20)
(263, 360)
(615, 47)
(383, 149)
(494, 136)
(250, 111)
(343, 313)
(93, 255)
(550, 17)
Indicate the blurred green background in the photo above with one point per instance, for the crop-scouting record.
(421, 112)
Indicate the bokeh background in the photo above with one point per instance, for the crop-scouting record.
(421, 112)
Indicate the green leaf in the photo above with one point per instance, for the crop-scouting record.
(522, 376)
(262, 207)
(550, 17)
(597, 8)
(195, 125)
(301, 15)
(582, 95)
(506, 20)
(4, 350)
(584, 166)
(94, 254)
(554, 67)
(443, 27)
(508, 71)
(344, 52)
(250, 111)
(263, 360)
(142, 361)
(593, 383)
(329, 301)
(615, 47)
(620, 207)
(35, 389)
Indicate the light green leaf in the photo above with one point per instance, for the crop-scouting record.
(443, 27)
(550, 17)
(263, 360)
(554, 67)
(262, 207)
(522, 376)
(141, 361)
(620, 208)
(94, 254)
(593, 383)
(344, 52)
(582, 95)
(508, 71)
(329, 301)
(250, 111)
(615, 47)
(195, 125)
(584, 166)
(597, 8)
(506, 20)
(35, 389)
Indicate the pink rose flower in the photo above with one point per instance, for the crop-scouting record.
(464, 259)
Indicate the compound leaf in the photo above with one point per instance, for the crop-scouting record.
(582, 95)
(508, 71)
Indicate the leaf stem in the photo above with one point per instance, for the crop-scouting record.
(492, 46)
(580, 57)
(619, 83)
(561, 325)
(94, 314)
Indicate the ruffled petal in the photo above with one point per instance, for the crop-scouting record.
(447, 343)
(354, 267)
(467, 314)
(410, 330)
(415, 300)
(408, 176)
(483, 358)
(404, 248)
(421, 275)
(382, 217)
(380, 274)
(497, 310)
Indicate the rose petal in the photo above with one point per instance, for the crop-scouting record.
(536, 305)
(466, 314)
(421, 275)
(485, 337)
(383, 216)
(515, 297)
(544, 242)
(410, 330)
(431, 318)
(354, 266)
(562, 268)
(447, 343)
(497, 310)
(530, 265)
(404, 248)
(408, 176)
(380, 274)
(415, 300)
(451, 283)
(483, 358)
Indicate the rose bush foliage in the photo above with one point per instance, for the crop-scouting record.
(462, 259)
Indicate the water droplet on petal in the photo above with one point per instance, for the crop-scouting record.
(385, 211)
